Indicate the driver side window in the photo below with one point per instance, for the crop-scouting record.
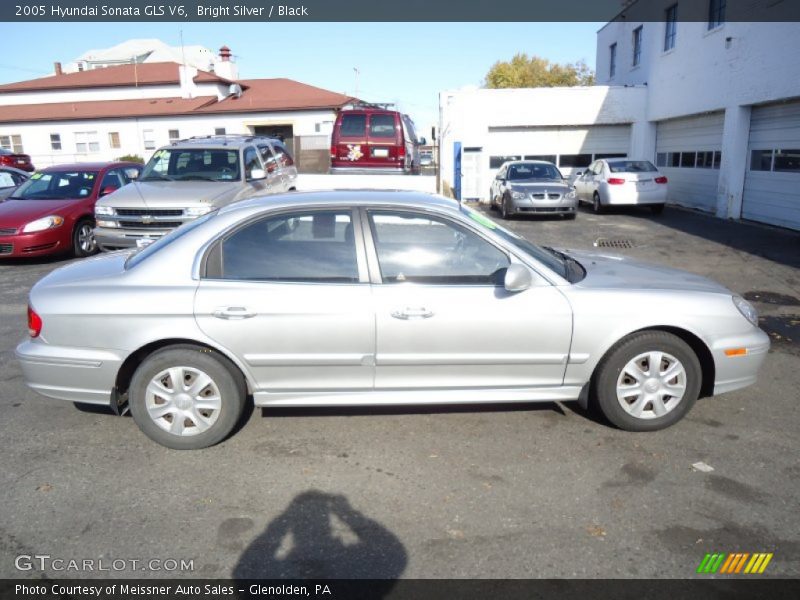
(420, 248)
(251, 162)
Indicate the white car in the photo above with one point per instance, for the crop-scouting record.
(622, 182)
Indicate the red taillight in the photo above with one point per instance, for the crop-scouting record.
(333, 150)
(34, 323)
(661, 180)
(615, 181)
(6, 160)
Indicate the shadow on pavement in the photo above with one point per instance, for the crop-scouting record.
(321, 536)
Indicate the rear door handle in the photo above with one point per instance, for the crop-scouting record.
(233, 312)
(412, 313)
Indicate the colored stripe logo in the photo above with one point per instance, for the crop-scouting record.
(735, 563)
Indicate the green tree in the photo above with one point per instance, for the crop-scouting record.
(523, 71)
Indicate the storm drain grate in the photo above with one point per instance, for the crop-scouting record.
(613, 243)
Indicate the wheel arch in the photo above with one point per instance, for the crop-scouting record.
(135, 358)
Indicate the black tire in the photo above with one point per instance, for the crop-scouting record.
(224, 375)
(570, 216)
(597, 205)
(504, 212)
(83, 242)
(657, 209)
(492, 204)
(610, 369)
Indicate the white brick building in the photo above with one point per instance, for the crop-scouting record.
(714, 104)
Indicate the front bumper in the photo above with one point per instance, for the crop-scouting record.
(39, 243)
(117, 239)
(530, 205)
(72, 374)
(736, 372)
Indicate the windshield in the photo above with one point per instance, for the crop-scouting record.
(59, 185)
(533, 171)
(631, 166)
(139, 255)
(566, 266)
(199, 164)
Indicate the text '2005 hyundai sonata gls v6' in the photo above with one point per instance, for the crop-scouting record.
(376, 298)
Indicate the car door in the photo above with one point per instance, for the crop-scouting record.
(289, 295)
(443, 318)
(497, 191)
(253, 164)
(581, 184)
(275, 181)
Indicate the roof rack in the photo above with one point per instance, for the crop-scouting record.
(245, 137)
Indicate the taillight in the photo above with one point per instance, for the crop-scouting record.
(661, 180)
(615, 181)
(34, 323)
(333, 150)
(5, 160)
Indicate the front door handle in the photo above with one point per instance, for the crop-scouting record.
(412, 313)
(233, 312)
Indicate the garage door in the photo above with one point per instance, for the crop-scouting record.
(569, 147)
(772, 182)
(688, 151)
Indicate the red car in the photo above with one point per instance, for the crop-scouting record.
(53, 212)
(18, 161)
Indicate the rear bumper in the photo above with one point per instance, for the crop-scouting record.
(368, 170)
(618, 196)
(116, 239)
(736, 372)
(40, 243)
(72, 374)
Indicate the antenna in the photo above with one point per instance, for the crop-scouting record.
(357, 72)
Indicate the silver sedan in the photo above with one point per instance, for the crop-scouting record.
(376, 298)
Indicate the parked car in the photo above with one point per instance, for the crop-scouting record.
(622, 182)
(426, 158)
(53, 211)
(372, 140)
(10, 179)
(15, 159)
(303, 300)
(188, 179)
(532, 187)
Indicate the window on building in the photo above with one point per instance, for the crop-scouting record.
(12, 143)
(612, 60)
(545, 157)
(761, 160)
(495, 162)
(55, 141)
(661, 159)
(637, 46)
(86, 142)
(670, 27)
(716, 13)
(673, 159)
(219, 131)
(610, 155)
(574, 160)
(688, 159)
(705, 160)
(717, 159)
(149, 139)
(113, 139)
(787, 161)
(174, 135)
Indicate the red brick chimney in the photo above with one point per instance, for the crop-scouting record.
(58, 68)
(225, 53)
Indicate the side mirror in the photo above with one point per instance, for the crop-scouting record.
(422, 141)
(108, 190)
(518, 278)
(256, 174)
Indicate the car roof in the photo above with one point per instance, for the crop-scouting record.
(84, 166)
(345, 197)
(222, 141)
(529, 162)
(610, 160)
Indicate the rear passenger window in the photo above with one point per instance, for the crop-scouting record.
(382, 126)
(314, 246)
(353, 126)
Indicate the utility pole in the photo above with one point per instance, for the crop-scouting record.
(357, 72)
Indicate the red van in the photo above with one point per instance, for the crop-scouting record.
(373, 140)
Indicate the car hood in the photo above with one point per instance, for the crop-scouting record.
(172, 194)
(533, 186)
(16, 213)
(607, 271)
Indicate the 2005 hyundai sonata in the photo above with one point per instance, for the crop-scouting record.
(376, 298)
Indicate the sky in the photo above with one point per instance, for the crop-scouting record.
(404, 63)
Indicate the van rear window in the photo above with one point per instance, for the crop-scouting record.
(381, 126)
(353, 125)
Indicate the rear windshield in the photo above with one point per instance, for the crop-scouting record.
(382, 126)
(353, 126)
(631, 166)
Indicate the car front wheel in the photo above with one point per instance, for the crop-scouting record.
(647, 381)
(83, 243)
(186, 397)
(504, 208)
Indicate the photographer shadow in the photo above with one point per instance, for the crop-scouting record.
(320, 536)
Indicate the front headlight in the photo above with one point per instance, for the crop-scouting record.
(748, 310)
(517, 195)
(197, 211)
(103, 210)
(101, 223)
(570, 195)
(50, 222)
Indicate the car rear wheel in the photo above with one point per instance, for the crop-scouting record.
(186, 397)
(83, 243)
(597, 205)
(657, 209)
(647, 381)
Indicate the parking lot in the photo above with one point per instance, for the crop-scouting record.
(476, 492)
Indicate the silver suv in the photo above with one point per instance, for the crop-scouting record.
(190, 178)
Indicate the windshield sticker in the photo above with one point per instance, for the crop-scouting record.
(485, 221)
(36, 176)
